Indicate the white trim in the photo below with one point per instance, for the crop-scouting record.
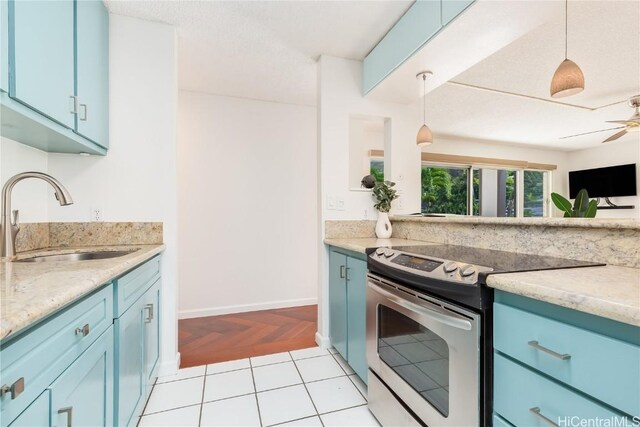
(216, 311)
(169, 367)
(322, 341)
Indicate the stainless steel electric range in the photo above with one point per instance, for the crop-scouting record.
(429, 331)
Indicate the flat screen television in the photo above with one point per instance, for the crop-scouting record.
(612, 181)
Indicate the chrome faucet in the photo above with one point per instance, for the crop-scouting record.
(9, 220)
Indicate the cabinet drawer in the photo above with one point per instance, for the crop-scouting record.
(45, 351)
(132, 285)
(518, 390)
(603, 367)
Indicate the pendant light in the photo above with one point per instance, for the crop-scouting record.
(568, 79)
(425, 137)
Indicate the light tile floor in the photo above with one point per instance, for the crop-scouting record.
(310, 387)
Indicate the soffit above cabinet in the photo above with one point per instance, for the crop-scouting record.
(482, 29)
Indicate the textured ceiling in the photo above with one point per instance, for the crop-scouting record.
(265, 49)
(604, 39)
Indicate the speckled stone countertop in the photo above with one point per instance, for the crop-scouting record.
(360, 244)
(609, 291)
(30, 291)
(630, 223)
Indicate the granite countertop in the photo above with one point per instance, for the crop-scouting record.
(360, 244)
(31, 291)
(611, 292)
(630, 223)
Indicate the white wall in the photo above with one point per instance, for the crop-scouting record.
(624, 151)
(136, 181)
(247, 205)
(28, 196)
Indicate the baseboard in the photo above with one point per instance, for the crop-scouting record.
(322, 341)
(217, 311)
(169, 367)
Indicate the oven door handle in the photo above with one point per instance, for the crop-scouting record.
(438, 315)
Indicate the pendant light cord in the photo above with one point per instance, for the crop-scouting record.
(566, 26)
(424, 98)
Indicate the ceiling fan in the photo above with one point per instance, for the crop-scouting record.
(632, 124)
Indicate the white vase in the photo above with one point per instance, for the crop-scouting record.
(383, 226)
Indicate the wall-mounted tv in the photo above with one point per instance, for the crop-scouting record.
(612, 181)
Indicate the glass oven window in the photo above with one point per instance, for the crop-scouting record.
(417, 354)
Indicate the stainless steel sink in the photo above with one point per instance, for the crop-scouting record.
(83, 256)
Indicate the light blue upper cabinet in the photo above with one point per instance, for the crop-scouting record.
(92, 71)
(4, 46)
(43, 58)
(453, 8)
(421, 22)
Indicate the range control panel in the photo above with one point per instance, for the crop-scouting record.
(431, 267)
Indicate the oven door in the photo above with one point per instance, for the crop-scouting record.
(426, 351)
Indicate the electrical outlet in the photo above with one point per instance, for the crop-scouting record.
(340, 204)
(97, 214)
(331, 203)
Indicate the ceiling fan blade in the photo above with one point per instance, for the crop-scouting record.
(589, 133)
(629, 122)
(615, 136)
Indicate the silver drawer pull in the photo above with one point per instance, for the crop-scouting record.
(73, 104)
(537, 346)
(15, 389)
(84, 331)
(149, 308)
(69, 411)
(343, 273)
(83, 112)
(536, 411)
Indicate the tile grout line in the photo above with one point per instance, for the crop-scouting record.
(358, 388)
(204, 386)
(255, 394)
(307, 390)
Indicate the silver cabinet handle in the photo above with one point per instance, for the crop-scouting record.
(84, 331)
(83, 112)
(73, 108)
(149, 308)
(536, 411)
(15, 389)
(550, 352)
(343, 272)
(347, 275)
(69, 411)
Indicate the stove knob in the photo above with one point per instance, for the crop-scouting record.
(389, 253)
(467, 270)
(380, 251)
(450, 267)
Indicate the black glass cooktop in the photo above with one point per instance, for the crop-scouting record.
(500, 261)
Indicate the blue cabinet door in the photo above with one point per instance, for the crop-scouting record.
(83, 394)
(36, 414)
(357, 316)
(4, 46)
(338, 302)
(151, 335)
(42, 74)
(130, 381)
(92, 71)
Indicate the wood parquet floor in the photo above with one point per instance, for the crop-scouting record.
(215, 339)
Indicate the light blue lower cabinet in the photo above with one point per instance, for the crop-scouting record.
(557, 365)
(347, 308)
(83, 394)
(36, 414)
(137, 355)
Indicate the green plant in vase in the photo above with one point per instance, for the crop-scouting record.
(384, 193)
(582, 206)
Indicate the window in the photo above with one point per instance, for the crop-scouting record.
(444, 190)
(377, 169)
(492, 192)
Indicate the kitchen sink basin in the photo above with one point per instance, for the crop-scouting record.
(82, 256)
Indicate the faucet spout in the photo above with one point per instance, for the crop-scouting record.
(9, 221)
